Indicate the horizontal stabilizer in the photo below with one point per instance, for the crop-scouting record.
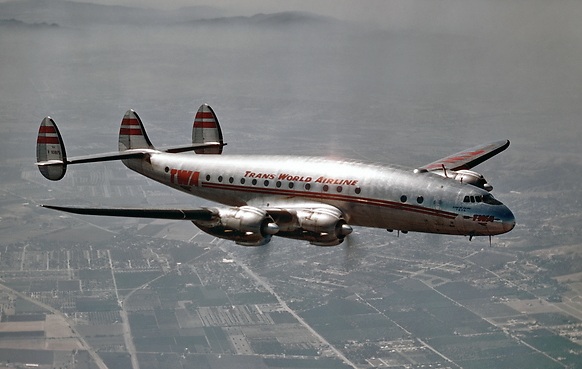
(214, 146)
(469, 158)
(176, 214)
(51, 157)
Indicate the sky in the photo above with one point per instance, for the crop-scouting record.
(457, 74)
(527, 18)
(339, 8)
(522, 15)
(475, 69)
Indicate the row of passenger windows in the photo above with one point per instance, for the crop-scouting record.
(306, 186)
(279, 184)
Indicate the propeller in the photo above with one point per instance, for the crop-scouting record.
(352, 254)
(262, 255)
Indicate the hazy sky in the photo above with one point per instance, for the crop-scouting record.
(341, 8)
(523, 16)
(377, 11)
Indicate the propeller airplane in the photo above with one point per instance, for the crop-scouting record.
(313, 199)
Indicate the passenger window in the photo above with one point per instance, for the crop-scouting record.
(358, 190)
(339, 189)
(420, 199)
(278, 184)
(254, 182)
(291, 185)
(266, 183)
(307, 186)
(325, 188)
(230, 180)
(219, 178)
(208, 177)
(242, 181)
(403, 198)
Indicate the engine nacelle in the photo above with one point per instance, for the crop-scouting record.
(466, 176)
(321, 227)
(246, 225)
(472, 178)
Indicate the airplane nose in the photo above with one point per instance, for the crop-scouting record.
(507, 220)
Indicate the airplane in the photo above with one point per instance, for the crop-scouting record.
(313, 199)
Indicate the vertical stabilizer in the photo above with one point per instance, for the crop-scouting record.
(206, 129)
(50, 151)
(132, 135)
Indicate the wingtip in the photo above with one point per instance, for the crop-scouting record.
(503, 144)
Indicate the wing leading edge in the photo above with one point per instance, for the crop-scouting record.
(469, 158)
(175, 214)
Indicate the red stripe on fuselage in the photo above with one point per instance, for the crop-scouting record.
(337, 197)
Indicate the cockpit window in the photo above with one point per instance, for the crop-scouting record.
(489, 199)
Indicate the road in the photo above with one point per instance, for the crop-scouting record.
(283, 304)
(127, 338)
(98, 361)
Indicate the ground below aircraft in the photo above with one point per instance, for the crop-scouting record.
(307, 198)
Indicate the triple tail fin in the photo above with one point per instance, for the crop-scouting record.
(52, 159)
(206, 129)
(132, 134)
(50, 151)
(134, 143)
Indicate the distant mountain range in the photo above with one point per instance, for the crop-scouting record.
(274, 19)
(14, 23)
(32, 13)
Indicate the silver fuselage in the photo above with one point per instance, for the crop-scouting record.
(369, 195)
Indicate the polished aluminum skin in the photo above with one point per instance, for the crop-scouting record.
(313, 199)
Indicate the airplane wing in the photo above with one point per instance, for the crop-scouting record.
(469, 158)
(175, 214)
(321, 225)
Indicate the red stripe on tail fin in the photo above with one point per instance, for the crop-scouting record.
(132, 134)
(47, 129)
(48, 140)
(50, 151)
(206, 129)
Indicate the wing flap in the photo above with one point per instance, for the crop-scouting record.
(469, 158)
(175, 214)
